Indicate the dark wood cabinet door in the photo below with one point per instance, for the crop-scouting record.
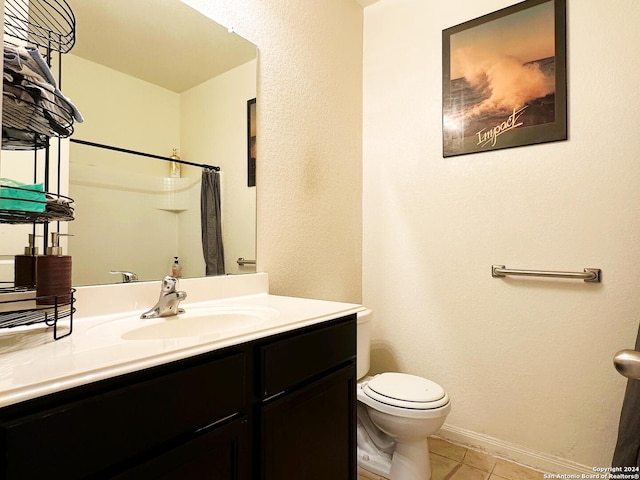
(106, 432)
(310, 433)
(221, 454)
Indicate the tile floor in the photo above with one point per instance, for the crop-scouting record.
(455, 462)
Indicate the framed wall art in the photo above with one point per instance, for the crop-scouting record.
(251, 142)
(504, 79)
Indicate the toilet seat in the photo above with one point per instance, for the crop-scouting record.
(405, 391)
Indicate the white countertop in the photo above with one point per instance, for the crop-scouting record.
(32, 364)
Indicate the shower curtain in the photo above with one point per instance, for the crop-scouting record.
(627, 453)
(211, 222)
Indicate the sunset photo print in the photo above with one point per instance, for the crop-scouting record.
(504, 79)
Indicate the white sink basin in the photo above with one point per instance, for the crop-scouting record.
(212, 322)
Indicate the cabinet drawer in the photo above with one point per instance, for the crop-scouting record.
(290, 361)
(221, 454)
(85, 437)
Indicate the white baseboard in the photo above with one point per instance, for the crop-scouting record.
(514, 453)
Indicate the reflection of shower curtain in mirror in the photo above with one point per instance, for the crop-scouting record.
(212, 248)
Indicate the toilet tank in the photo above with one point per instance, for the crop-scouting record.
(363, 342)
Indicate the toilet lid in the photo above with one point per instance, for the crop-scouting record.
(406, 391)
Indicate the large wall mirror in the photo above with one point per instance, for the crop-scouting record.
(152, 76)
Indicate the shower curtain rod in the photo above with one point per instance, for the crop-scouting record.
(142, 154)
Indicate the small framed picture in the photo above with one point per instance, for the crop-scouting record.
(251, 137)
(504, 79)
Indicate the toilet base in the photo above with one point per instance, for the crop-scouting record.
(375, 464)
(411, 461)
(374, 446)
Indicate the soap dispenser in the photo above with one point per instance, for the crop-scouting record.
(174, 169)
(25, 265)
(176, 268)
(53, 275)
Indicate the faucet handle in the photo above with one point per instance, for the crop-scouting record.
(169, 284)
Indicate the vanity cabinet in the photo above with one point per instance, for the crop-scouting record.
(278, 408)
(108, 428)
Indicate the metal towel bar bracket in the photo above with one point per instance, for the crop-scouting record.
(591, 275)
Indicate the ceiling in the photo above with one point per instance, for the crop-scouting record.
(165, 42)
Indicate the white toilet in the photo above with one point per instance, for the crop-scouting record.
(396, 414)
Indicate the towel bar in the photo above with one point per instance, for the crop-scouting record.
(592, 275)
(242, 261)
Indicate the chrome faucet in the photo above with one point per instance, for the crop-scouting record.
(127, 277)
(169, 300)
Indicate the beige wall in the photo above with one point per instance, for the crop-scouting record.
(527, 363)
(309, 113)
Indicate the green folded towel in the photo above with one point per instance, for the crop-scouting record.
(19, 196)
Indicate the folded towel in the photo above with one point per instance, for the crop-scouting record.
(35, 54)
(22, 197)
(34, 102)
(60, 208)
(16, 139)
